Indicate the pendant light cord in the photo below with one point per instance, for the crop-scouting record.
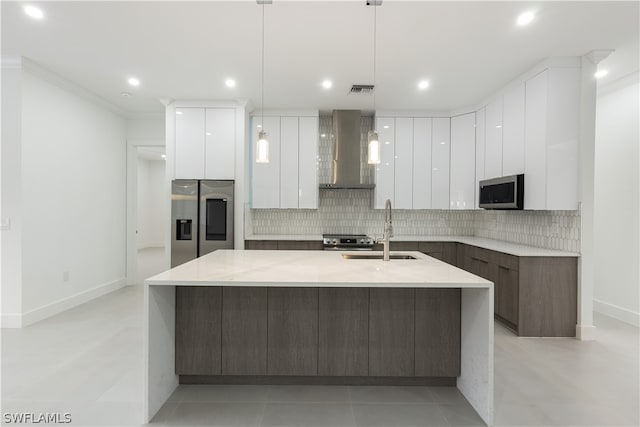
(375, 24)
(262, 67)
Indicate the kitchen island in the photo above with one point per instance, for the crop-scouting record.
(317, 317)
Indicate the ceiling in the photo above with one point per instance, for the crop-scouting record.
(186, 50)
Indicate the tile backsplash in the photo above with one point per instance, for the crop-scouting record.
(349, 211)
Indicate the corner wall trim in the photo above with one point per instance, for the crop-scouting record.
(64, 304)
(623, 314)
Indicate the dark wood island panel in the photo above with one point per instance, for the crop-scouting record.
(343, 323)
(198, 330)
(292, 336)
(244, 331)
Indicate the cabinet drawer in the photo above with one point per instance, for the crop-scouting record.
(507, 261)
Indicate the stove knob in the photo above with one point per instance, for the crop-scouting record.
(334, 241)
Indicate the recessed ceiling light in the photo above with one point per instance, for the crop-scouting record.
(164, 156)
(33, 12)
(525, 18)
(230, 83)
(327, 84)
(258, 126)
(423, 84)
(498, 126)
(179, 112)
(125, 94)
(386, 126)
(600, 74)
(324, 135)
(134, 81)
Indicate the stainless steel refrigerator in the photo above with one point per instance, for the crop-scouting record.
(201, 218)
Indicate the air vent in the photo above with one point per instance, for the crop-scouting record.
(361, 90)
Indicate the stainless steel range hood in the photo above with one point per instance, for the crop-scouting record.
(346, 152)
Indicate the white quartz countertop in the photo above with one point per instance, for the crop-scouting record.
(482, 242)
(314, 269)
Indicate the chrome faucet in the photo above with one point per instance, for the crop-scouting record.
(388, 230)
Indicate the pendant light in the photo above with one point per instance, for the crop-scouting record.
(262, 144)
(373, 141)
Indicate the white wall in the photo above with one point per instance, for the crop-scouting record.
(617, 276)
(146, 128)
(151, 203)
(73, 195)
(10, 207)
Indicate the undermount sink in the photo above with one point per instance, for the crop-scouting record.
(375, 256)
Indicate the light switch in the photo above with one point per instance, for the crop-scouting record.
(5, 224)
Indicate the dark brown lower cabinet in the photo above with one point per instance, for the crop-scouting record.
(292, 338)
(244, 331)
(391, 332)
(261, 245)
(444, 251)
(288, 245)
(343, 328)
(437, 334)
(506, 293)
(198, 330)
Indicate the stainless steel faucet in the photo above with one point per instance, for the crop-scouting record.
(388, 230)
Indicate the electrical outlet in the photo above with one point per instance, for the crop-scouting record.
(65, 276)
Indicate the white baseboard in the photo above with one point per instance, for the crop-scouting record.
(586, 332)
(11, 321)
(617, 312)
(64, 304)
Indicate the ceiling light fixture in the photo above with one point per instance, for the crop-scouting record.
(422, 85)
(525, 18)
(262, 144)
(34, 12)
(230, 83)
(134, 81)
(327, 84)
(600, 74)
(373, 140)
(126, 94)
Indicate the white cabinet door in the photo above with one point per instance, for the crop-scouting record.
(403, 186)
(493, 139)
(480, 146)
(535, 171)
(308, 163)
(289, 162)
(421, 163)
(219, 149)
(513, 131)
(463, 157)
(190, 125)
(440, 151)
(563, 133)
(384, 172)
(266, 176)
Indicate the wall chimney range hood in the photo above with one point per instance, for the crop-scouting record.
(345, 173)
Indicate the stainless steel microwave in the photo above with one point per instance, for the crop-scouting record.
(506, 192)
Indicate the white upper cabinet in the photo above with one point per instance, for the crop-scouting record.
(290, 179)
(205, 143)
(440, 151)
(551, 139)
(480, 145)
(422, 163)
(308, 163)
(220, 143)
(513, 131)
(289, 162)
(385, 170)
(463, 158)
(265, 192)
(493, 139)
(190, 142)
(403, 186)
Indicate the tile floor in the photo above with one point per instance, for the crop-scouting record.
(88, 362)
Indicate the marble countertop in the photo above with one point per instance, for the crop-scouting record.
(482, 242)
(314, 269)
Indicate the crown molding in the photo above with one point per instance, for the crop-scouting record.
(10, 62)
(63, 83)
